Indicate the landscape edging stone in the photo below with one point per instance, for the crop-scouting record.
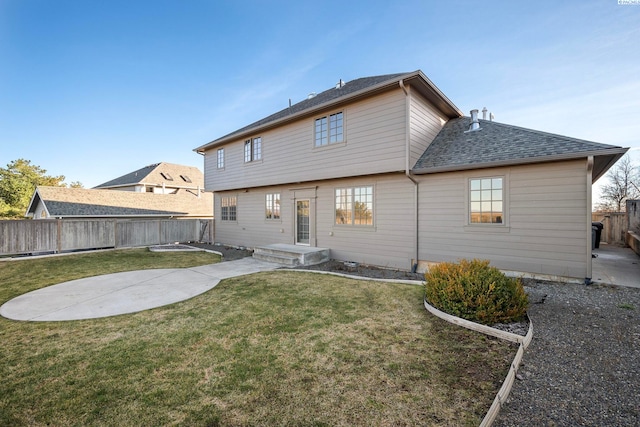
(522, 341)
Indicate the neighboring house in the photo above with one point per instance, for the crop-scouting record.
(170, 191)
(387, 171)
(161, 178)
(81, 203)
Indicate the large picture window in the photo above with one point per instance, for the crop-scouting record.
(486, 199)
(228, 208)
(329, 129)
(354, 206)
(272, 208)
(253, 149)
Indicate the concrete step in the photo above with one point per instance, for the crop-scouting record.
(277, 258)
(286, 254)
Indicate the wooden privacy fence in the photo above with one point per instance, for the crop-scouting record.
(55, 235)
(615, 226)
(633, 215)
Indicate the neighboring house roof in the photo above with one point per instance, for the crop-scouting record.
(169, 174)
(61, 202)
(497, 144)
(345, 92)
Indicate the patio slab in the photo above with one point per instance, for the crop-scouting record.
(616, 265)
(122, 293)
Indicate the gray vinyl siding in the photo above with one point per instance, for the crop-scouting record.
(544, 232)
(389, 242)
(545, 227)
(374, 142)
(425, 123)
(40, 211)
(251, 228)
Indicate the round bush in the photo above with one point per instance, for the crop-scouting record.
(475, 291)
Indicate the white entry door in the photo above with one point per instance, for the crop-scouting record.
(302, 222)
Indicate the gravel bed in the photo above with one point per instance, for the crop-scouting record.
(582, 367)
(356, 269)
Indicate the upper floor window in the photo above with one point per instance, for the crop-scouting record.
(166, 176)
(272, 208)
(185, 178)
(329, 129)
(253, 149)
(228, 208)
(354, 206)
(220, 158)
(486, 197)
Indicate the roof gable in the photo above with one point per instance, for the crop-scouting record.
(157, 174)
(498, 144)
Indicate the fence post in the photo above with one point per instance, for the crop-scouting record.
(608, 228)
(59, 235)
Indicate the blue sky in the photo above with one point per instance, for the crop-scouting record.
(95, 89)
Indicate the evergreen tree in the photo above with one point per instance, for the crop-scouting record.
(18, 181)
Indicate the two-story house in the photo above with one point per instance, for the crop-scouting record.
(387, 171)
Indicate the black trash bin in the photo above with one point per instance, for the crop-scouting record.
(597, 227)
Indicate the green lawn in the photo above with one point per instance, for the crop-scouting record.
(278, 348)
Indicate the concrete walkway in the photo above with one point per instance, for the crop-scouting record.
(616, 265)
(128, 292)
(133, 291)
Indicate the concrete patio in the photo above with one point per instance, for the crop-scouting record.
(616, 265)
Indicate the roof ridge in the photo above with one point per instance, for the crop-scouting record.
(320, 98)
(142, 175)
(541, 132)
(67, 201)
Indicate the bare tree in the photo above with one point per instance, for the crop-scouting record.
(623, 181)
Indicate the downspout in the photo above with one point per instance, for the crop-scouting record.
(407, 172)
(587, 279)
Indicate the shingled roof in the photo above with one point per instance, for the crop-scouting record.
(62, 202)
(343, 92)
(157, 174)
(315, 100)
(497, 144)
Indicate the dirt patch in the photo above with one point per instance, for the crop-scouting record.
(173, 248)
(228, 253)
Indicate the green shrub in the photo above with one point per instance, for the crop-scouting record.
(475, 291)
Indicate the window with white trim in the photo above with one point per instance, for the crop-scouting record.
(354, 206)
(252, 149)
(486, 200)
(220, 158)
(272, 206)
(228, 208)
(329, 129)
